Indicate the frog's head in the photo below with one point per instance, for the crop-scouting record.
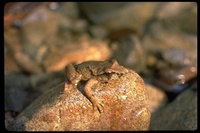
(116, 68)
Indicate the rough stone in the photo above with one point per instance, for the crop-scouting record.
(125, 107)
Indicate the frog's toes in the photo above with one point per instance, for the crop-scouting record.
(99, 107)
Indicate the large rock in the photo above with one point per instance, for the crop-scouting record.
(125, 107)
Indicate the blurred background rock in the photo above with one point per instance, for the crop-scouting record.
(156, 39)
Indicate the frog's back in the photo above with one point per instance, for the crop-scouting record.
(92, 68)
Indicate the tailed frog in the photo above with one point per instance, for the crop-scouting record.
(93, 72)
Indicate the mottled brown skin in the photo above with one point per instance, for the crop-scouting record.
(93, 72)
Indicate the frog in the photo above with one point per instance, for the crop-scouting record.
(93, 72)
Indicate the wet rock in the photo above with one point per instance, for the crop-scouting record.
(181, 114)
(125, 107)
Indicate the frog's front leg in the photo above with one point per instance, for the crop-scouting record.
(72, 75)
(88, 92)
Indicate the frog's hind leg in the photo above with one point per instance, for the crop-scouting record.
(89, 94)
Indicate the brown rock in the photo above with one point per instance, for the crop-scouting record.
(86, 50)
(125, 107)
(157, 97)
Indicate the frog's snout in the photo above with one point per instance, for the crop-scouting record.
(75, 80)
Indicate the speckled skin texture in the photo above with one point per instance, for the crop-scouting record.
(92, 72)
(125, 107)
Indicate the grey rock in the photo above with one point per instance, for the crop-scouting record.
(181, 114)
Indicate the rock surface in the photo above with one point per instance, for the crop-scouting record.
(125, 103)
(157, 97)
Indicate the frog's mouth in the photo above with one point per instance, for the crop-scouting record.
(76, 79)
(75, 82)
